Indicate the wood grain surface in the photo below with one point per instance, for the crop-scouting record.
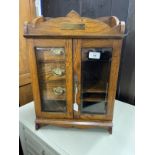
(43, 37)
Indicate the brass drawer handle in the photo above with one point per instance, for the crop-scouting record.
(59, 91)
(57, 51)
(58, 71)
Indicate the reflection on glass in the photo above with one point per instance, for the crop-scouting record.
(95, 69)
(51, 73)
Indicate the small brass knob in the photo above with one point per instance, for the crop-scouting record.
(59, 91)
(58, 71)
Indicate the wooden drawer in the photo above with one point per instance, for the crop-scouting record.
(54, 91)
(47, 54)
(51, 71)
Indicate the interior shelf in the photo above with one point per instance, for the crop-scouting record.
(99, 87)
(95, 89)
(93, 97)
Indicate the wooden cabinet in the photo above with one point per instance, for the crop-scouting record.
(74, 63)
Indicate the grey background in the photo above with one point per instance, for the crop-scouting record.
(124, 10)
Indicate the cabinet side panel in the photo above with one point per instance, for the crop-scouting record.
(114, 75)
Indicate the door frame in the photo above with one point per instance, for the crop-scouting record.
(67, 44)
(78, 44)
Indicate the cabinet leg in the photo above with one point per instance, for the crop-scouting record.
(110, 130)
(37, 126)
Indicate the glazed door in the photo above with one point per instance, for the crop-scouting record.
(52, 78)
(93, 80)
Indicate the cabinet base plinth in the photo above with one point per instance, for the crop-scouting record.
(82, 124)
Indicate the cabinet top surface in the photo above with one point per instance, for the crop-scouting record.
(73, 25)
(72, 141)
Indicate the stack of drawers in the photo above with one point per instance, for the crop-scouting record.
(52, 78)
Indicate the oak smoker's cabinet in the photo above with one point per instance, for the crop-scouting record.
(74, 64)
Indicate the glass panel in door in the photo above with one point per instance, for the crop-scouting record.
(95, 70)
(52, 78)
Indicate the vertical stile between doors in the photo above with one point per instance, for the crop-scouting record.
(77, 72)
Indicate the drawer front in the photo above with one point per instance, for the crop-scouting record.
(54, 91)
(51, 71)
(46, 54)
